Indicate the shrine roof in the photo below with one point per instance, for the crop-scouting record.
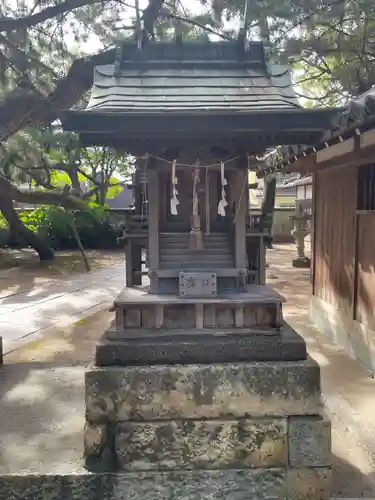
(194, 89)
(192, 86)
(193, 77)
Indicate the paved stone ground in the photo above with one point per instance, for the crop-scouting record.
(31, 306)
(348, 388)
(42, 392)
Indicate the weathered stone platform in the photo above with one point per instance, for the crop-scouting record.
(208, 397)
(221, 413)
(250, 430)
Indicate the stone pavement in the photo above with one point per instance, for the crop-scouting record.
(27, 314)
(348, 387)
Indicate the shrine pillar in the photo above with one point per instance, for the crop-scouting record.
(153, 225)
(240, 216)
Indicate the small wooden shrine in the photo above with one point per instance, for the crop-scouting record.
(181, 362)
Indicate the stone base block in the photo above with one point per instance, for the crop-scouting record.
(201, 444)
(309, 441)
(312, 483)
(304, 262)
(145, 347)
(232, 390)
(296, 442)
(253, 484)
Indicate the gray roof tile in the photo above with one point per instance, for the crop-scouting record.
(192, 89)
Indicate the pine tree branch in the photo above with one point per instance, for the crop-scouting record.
(11, 24)
(7, 188)
(26, 107)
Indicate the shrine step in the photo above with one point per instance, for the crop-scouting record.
(174, 253)
(181, 240)
(145, 347)
(226, 251)
(191, 265)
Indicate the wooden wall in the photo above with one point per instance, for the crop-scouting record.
(365, 286)
(334, 237)
(344, 246)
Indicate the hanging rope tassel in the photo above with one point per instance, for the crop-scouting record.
(174, 199)
(223, 202)
(196, 237)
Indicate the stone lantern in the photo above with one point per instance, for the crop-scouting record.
(300, 231)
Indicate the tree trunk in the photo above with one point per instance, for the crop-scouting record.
(18, 230)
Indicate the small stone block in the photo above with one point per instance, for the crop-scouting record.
(201, 444)
(239, 316)
(225, 317)
(30, 487)
(252, 484)
(179, 316)
(304, 380)
(250, 315)
(148, 317)
(209, 316)
(302, 262)
(309, 484)
(132, 317)
(309, 441)
(119, 319)
(266, 314)
(98, 449)
(86, 486)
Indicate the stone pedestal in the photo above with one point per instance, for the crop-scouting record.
(188, 413)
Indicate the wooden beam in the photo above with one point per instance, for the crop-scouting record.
(367, 138)
(190, 120)
(335, 150)
(302, 164)
(355, 158)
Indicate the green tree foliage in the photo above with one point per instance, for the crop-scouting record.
(330, 43)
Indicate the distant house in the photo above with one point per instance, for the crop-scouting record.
(303, 193)
(123, 200)
(285, 195)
